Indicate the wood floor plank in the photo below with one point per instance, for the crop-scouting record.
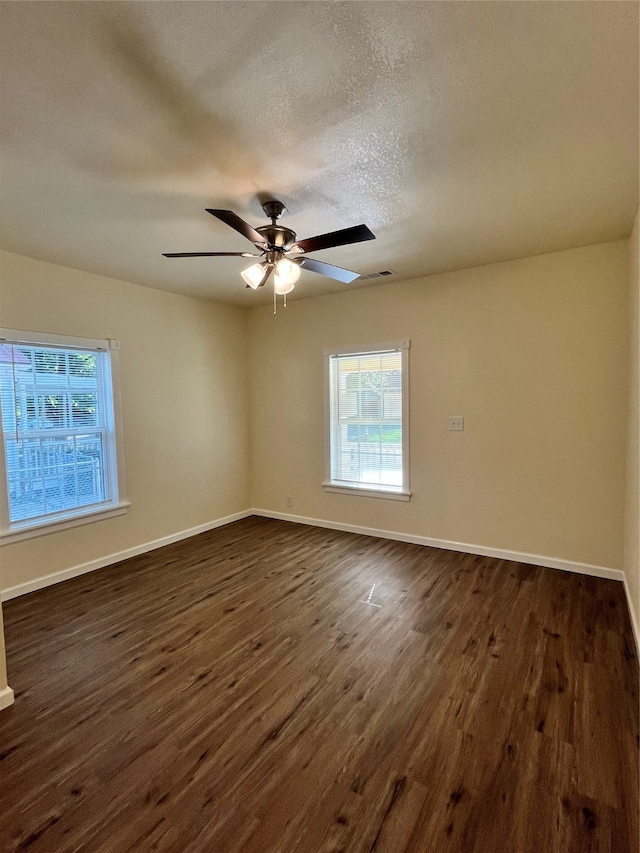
(241, 692)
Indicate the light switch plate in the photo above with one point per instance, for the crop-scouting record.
(456, 423)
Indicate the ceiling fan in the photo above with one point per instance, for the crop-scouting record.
(280, 251)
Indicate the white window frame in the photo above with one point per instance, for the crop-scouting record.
(117, 504)
(372, 490)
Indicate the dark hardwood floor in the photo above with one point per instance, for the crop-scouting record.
(241, 692)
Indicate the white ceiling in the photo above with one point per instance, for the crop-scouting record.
(460, 133)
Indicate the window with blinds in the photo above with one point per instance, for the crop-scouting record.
(367, 419)
(58, 431)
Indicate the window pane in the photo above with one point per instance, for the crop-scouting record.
(392, 404)
(54, 422)
(57, 456)
(54, 475)
(392, 434)
(366, 419)
(49, 364)
(370, 404)
(26, 410)
(53, 411)
(349, 402)
(350, 467)
(26, 499)
(370, 433)
(83, 364)
(90, 466)
(84, 410)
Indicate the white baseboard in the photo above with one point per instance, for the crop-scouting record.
(633, 615)
(465, 548)
(6, 698)
(101, 562)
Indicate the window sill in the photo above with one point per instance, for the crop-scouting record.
(40, 529)
(365, 492)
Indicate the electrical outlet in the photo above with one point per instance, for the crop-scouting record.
(456, 423)
(289, 502)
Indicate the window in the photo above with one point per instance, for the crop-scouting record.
(367, 420)
(61, 452)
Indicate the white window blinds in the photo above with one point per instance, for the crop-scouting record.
(366, 420)
(57, 422)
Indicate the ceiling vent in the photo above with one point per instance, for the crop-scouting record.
(381, 274)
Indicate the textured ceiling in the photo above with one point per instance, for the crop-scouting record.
(460, 133)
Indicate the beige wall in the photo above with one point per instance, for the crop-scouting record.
(632, 520)
(184, 406)
(533, 354)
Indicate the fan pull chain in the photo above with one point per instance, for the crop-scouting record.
(275, 304)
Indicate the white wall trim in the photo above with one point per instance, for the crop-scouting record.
(6, 698)
(364, 492)
(8, 537)
(373, 349)
(465, 548)
(633, 615)
(101, 562)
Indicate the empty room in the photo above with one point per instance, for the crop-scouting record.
(319, 397)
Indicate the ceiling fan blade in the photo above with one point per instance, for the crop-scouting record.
(233, 221)
(336, 238)
(340, 274)
(209, 255)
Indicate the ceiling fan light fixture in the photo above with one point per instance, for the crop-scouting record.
(287, 273)
(280, 288)
(254, 274)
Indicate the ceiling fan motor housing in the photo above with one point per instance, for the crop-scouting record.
(276, 236)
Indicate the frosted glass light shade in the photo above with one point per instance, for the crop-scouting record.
(253, 275)
(280, 288)
(287, 273)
